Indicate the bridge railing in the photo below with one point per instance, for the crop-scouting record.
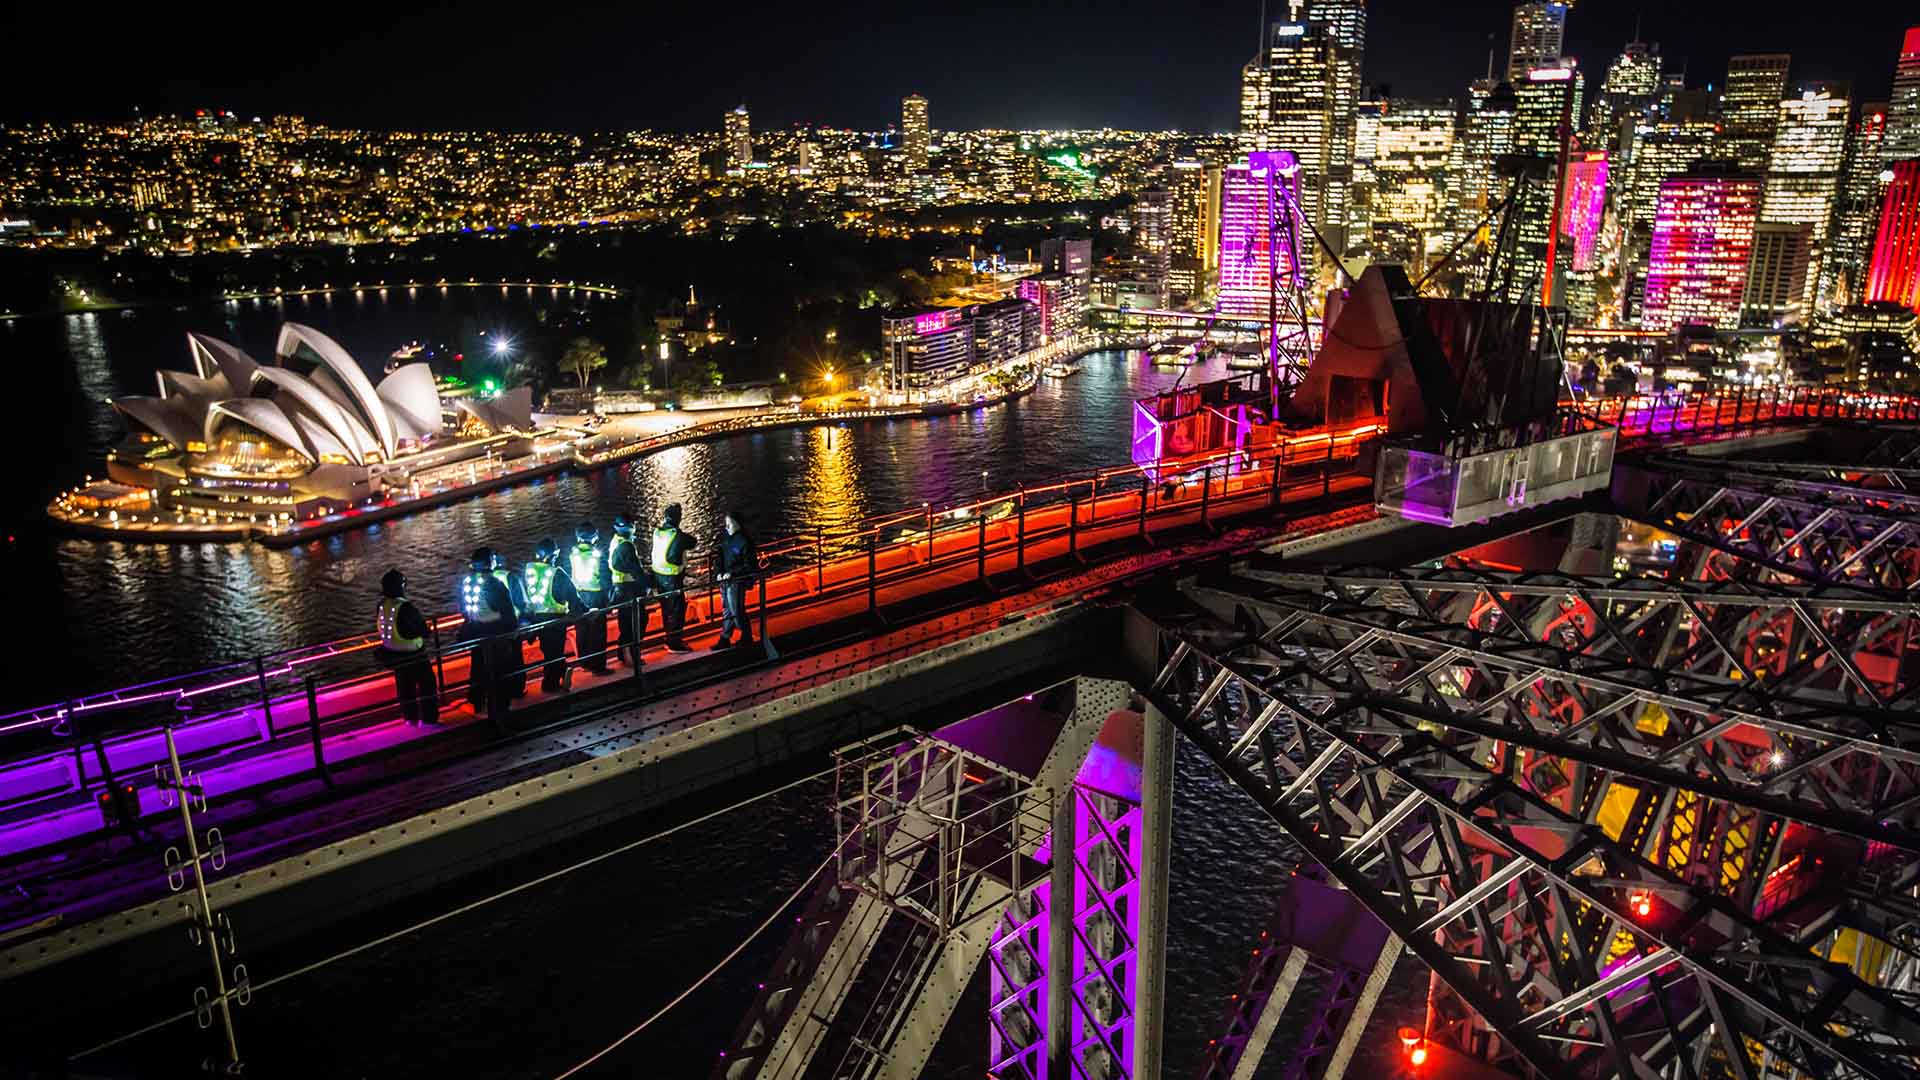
(1710, 413)
(287, 707)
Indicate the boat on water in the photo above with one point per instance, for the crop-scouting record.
(1170, 356)
(409, 353)
(1061, 371)
(1247, 363)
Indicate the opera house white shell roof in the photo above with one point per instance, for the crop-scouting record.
(331, 411)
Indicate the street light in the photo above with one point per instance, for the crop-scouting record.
(501, 345)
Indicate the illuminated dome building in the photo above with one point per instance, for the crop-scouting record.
(306, 436)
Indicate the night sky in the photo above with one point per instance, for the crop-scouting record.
(1123, 63)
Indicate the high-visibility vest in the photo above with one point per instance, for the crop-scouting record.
(386, 620)
(620, 577)
(473, 598)
(662, 547)
(586, 561)
(539, 582)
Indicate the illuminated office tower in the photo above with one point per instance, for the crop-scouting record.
(1777, 276)
(1256, 105)
(1586, 207)
(1702, 247)
(1366, 139)
(1750, 107)
(1258, 195)
(1153, 232)
(1539, 37)
(739, 139)
(1548, 101)
(1300, 95)
(913, 133)
(1486, 132)
(1903, 112)
(1894, 274)
(1629, 90)
(1862, 191)
(1803, 181)
(1411, 151)
(1661, 150)
(1196, 227)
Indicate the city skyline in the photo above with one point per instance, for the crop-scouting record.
(655, 70)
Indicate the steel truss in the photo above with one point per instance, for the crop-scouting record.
(1826, 532)
(1564, 797)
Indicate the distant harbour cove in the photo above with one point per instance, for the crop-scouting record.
(163, 608)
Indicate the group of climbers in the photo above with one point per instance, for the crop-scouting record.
(554, 590)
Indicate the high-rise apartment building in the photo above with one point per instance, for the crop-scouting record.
(1750, 107)
(1777, 276)
(1257, 198)
(913, 133)
(1538, 39)
(1702, 247)
(739, 133)
(1894, 274)
(1903, 111)
(1486, 133)
(1153, 232)
(1196, 227)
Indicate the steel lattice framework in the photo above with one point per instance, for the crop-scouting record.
(1858, 529)
(1611, 816)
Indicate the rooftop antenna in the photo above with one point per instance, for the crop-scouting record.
(1260, 34)
(1490, 49)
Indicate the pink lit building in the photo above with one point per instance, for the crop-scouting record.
(1894, 273)
(1257, 197)
(1586, 209)
(1702, 245)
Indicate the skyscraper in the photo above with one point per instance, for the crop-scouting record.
(1586, 207)
(1196, 227)
(1777, 276)
(1894, 274)
(1702, 247)
(1803, 180)
(1903, 112)
(1153, 232)
(1486, 133)
(1303, 98)
(1539, 36)
(739, 132)
(1661, 150)
(1411, 151)
(1857, 216)
(1630, 88)
(1548, 103)
(1258, 196)
(913, 133)
(1750, 107)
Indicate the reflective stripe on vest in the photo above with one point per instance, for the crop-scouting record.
(620, 577)
(473, 598)
(662, 547)
(585, 560)
(386, 621)
(539, 582)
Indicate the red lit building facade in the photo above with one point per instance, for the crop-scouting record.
(1894, 273)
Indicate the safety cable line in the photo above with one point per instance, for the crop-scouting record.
(464, 908)
(712, 971)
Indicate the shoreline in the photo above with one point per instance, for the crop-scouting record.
(93, 526)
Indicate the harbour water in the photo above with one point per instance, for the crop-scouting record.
(532, 984)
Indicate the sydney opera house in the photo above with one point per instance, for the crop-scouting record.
(305, 436)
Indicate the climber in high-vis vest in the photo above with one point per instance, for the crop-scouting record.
(403, 649)
(515, 673)
(488, 608)
(630, 588)
(548, 589)
(587, 566)
(670, 547)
